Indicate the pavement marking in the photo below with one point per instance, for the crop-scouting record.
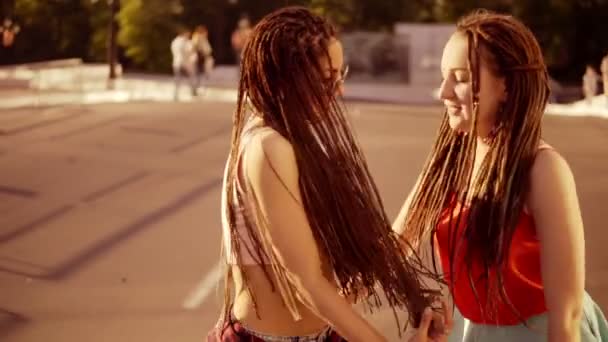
(39, 124)
(18, 192)
(89, 128)
(204, 288)
(115, 186)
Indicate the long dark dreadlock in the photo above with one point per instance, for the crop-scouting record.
(495, 198)
(283, 81)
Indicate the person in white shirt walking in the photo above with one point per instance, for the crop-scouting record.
(184, 61)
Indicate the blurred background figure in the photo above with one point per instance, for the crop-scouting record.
(604, 70)
(590, 80)
(184, 61)
(239, 38)
(204, 53)
(9, 31)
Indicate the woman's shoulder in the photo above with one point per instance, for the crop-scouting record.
(267, 141)
(548, 160)
(267, 150)
(550, 172)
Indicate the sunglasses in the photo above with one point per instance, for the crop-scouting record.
(342, 78)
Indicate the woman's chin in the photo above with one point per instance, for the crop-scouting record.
(457, 124)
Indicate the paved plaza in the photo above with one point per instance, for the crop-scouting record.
(109, 213)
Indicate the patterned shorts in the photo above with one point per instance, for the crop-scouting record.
(236, 332)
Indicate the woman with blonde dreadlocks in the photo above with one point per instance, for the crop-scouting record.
(498, 203)
(301, 215)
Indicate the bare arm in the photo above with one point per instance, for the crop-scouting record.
(398, 224)
(554, 205)
(424, 250)
(271, 167)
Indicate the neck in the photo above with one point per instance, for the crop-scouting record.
(483, 145)
(482, 148)
(481, 151)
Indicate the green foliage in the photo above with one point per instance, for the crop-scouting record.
(567, 30)
(570, 31)
(100, 16)
(146, 30)
(342, 13)
(51, 29)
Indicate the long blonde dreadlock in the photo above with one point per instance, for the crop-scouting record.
(495, 198)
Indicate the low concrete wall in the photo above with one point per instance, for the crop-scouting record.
(68, 74)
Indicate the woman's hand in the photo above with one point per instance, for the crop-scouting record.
(434, 327)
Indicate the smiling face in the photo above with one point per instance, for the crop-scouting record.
(456, 90)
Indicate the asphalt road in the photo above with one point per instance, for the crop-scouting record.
(109, 214)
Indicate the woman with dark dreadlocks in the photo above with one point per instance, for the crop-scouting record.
(302, 217)
(496, 201)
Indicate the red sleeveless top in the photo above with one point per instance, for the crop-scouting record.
(521, 276)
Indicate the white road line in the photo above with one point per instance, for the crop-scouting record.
(204, 288)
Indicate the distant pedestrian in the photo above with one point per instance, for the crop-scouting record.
(604, 70)
(590, 80)
(240, 36)
(184, 61)
(204, 53)
(8, 32)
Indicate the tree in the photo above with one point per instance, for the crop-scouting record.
(51, 29)
(550, 21)
(218, 17)
(146, 31)
(567, 30)
(358, 14)
(99, 20)
(588, 43)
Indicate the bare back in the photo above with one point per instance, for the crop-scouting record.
(272, 314)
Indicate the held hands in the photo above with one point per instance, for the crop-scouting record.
(434, 327)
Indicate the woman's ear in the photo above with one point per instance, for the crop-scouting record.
(505, 93)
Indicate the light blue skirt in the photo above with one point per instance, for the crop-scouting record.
(594, 328)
